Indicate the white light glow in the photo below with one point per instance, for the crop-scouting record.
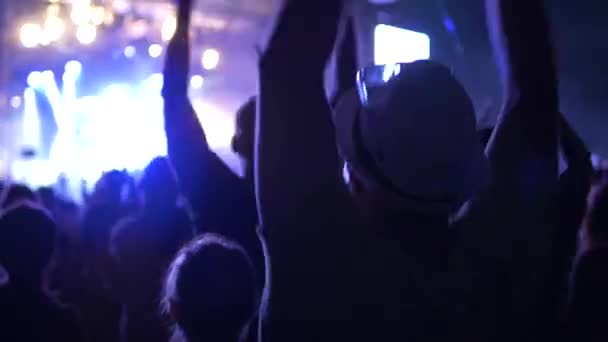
(210, 59)
(130, 51)
(54, 28)
(98, 15)
(96, 133)
(196, 81)
(30, 35)
(168, 28)
(34, 79)
(155, 50)
(16, 102)
(73, 68)
(396, 45)
(81, 12)
(31, 120)
(86, 34)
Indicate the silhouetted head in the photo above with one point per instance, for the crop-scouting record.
(109, 188)
(47, 197)
(210, 290)
(16, 193)
(244, 136)
(27, 238)
(159, 185)
(595, 224)
(409, 140)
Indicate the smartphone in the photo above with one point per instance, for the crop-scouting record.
(397, 45)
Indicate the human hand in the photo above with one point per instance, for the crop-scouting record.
(177, 59)
(303, 36)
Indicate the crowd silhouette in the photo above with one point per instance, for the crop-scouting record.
(379, 212)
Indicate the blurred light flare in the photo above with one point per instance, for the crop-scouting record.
(16, 102)
(210, 59)
(168, 28)
(396, 45)
(86, 34)
(121, 127)
(155, 50)
(130, 51)
(54, 28)
(196, 81)
(30, 34)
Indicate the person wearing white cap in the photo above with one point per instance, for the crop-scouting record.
(396, 255)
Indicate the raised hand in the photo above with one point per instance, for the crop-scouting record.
(177, 60)
(346, 59)
(303, 36)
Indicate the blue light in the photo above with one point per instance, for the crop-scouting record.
(449, 24)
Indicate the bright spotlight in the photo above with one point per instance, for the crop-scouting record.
(53, 28)
(129, 51)
(81, 13)
(155, 50)
(86, 34)
(396, 45)
(196, 81)
(98, 15)
(155, 82)
(210, 59)
(73, 68)
(30, 35)
(16, 102)
(168, 28)
(34, 79)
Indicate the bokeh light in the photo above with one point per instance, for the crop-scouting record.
(130, 51)
(34, 79)
(210, 59)
(168, 28)
(86, 34)
(54, 27)
(30, 34)
(196, 81)
(155, 50)
(15, 102)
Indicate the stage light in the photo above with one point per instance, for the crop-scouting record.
(210, 59)
(155, 50)
(129, 51)
(154, 83)
(168, 28)
(396, 45)
(54, 28)
(34, 79)
(31, 119)
(81, 13)
(86, 34)
(196, 81)
(98, 15)
(73, 68)
(16, 102)
(30, 35)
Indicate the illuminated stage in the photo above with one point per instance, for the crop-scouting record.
(120, 128)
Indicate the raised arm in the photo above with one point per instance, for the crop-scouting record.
(521, 208)
(208, 183)
(345, 59)
(296, 159)
(525, 139)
